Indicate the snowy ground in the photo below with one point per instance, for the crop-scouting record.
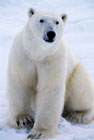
(79, 33)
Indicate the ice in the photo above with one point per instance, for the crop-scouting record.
(79, 33)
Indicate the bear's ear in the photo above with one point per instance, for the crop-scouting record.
(64, 17)
(31, 12)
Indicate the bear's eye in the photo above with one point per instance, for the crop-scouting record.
(57, 22)
(41, 20)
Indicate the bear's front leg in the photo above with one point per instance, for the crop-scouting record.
(49, 108)
(19, 99)
(49, 101)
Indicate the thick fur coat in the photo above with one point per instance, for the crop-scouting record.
(45, 80)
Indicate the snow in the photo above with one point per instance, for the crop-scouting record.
(79, 33)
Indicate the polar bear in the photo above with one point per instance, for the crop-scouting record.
(45, 80)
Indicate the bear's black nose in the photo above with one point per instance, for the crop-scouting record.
(51, 35)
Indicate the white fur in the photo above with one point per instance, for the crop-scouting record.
(46, 80)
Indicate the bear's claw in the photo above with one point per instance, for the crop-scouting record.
(24, 121)
(21, 121)
(34, 136)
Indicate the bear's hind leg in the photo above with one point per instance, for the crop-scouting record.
(79, 96)
(84, 117)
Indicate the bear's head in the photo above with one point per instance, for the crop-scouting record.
(47, 29)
